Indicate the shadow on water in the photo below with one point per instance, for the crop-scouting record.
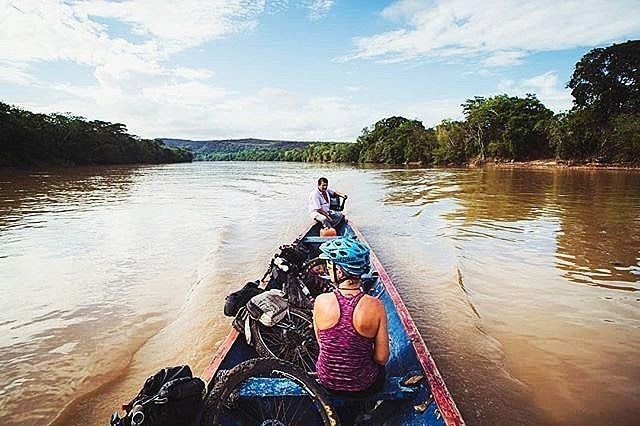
(598, 211)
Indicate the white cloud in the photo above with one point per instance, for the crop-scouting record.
(16, 73)
(500, 32)
(319, 8)
(193, 73)
(504, 58)
(180, 23)
(50, 30)
(136, 81)
(547, 87)
(198, 110)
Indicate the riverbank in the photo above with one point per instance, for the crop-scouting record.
(552, 164)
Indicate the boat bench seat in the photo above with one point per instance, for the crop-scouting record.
(318, 240)
(259, 387)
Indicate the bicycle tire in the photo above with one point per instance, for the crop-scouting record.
(224, 405)
(292, 339)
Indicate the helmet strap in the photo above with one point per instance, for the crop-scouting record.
(350, 288)
(338, 281)
(335, 276)
(343, 279)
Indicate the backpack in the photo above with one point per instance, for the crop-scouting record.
(236, 300)
(268, 307)
(171, 397)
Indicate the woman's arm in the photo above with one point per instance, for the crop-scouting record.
(315, 316)
(381, 340)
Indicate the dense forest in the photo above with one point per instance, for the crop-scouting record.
(237, 149)
(603, 125)
(28, 139)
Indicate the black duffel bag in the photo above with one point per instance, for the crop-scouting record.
(294, 253)
(238, 299)
(171, 397)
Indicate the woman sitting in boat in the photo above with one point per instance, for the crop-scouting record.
(351, 327)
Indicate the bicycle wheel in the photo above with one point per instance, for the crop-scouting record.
(234, 401)
(292, 339)
(315, 276)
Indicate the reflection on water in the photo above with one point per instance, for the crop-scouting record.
(28, 195)
(600, 245)
(598, 213)
(524, 283)
(521, 246)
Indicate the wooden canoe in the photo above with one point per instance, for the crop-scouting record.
(427, 401)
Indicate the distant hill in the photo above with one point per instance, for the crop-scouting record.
(203, 149)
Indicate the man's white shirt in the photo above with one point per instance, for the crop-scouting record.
(317, 201)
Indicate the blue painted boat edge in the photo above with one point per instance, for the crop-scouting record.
(441, 394)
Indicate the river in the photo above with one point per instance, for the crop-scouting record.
(524, 283)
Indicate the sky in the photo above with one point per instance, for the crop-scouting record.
(311, 70)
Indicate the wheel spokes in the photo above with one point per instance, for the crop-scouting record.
(293, 340)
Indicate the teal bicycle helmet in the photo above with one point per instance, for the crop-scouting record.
(350, 255)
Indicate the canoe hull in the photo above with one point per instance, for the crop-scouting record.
(428, 402)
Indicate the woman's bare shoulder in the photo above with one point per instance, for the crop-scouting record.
(323, 299)
(373, 302)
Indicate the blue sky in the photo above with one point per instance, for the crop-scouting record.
(292, 69)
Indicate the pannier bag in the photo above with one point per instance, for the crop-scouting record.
(294, 254)
(268, 307)
(298, 294)
(278, 275)
(171, 397)
(236, 300)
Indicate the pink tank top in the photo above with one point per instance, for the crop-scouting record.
(346, 360)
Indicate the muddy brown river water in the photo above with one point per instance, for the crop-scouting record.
(524, 283)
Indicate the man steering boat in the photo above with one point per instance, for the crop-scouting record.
(320, 204)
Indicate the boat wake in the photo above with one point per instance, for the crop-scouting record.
(188, 338)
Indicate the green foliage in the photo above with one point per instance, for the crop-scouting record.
(30, 139)
(320, 152)
(624, 136)
(607, 81)
(450, 143)
(573, 136)
(507, 127)
(606, 88)
(396, 140)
